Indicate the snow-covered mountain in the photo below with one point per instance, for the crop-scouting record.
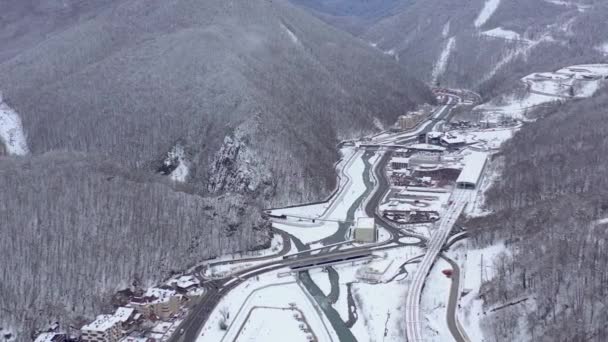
(240, 103)
(487, 45)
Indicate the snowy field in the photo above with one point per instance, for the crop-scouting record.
(11, 131)
(488, 139)
(578, 81)
(246, 323)
(379, 306)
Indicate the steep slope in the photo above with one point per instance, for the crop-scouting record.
(550, 206)
(76, 229)
(496, 42)
(240, 102)
(144, 76)
(487, 45)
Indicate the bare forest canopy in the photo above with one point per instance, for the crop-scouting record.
(547, 202)
(257, 93)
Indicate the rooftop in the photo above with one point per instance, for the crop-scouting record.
(101, 323)
(105, 322)
(474, 164)
(46, 337)
(366, 222)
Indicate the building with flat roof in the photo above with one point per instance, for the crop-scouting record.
(471, 174)
(365, 230)
(158, 302)
(51, 337)
(107, 328)
(452, 140)
(398, 163)
(410, 120)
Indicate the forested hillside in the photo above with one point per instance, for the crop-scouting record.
(486, 45)
(549, 203)
(240, 102)
(140, 77)
(76, 228)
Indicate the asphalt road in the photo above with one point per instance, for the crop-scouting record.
(453, 324)
(413, 318)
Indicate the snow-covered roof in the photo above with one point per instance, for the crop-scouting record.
(101, 323)
(366, 222)
(46, 337)
(162, 327)
(434, 135)
(474, 164)
(427, 147)
(105, 322)
(123, 314)
(133, 339)
(453, 139)
(159, 295)
(185, 282)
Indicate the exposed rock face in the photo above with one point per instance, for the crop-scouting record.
(236, 169)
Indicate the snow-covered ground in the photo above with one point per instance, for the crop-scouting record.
(327, 214)
(345, 168)
(486, 13)
(434, 303)
(443, 59)
(578, 81)
(427, 201)
(12, 135)
(499, 32)
(321, 278)
(177, 155)
(476, 266)
(490, 138)
(379, 306)
(273, 324)
(309, 233)
(266, 291)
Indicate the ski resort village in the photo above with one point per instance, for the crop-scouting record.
(384, 257)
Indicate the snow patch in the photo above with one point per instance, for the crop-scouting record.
(486, 12)
(603, 48)
(291, 35)
(177, 156)
(378, 124)
(442, 62)
(446, 29)
(499, 32)
(12, 136)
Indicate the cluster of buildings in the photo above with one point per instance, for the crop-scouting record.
(145, 316)
(411, 120)
(421, 181)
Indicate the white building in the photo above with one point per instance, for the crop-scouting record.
(453, 140)
(107, 328)
(365, 230)
(474, 165)
(410, 120)
(158, 302)
(398, 163)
